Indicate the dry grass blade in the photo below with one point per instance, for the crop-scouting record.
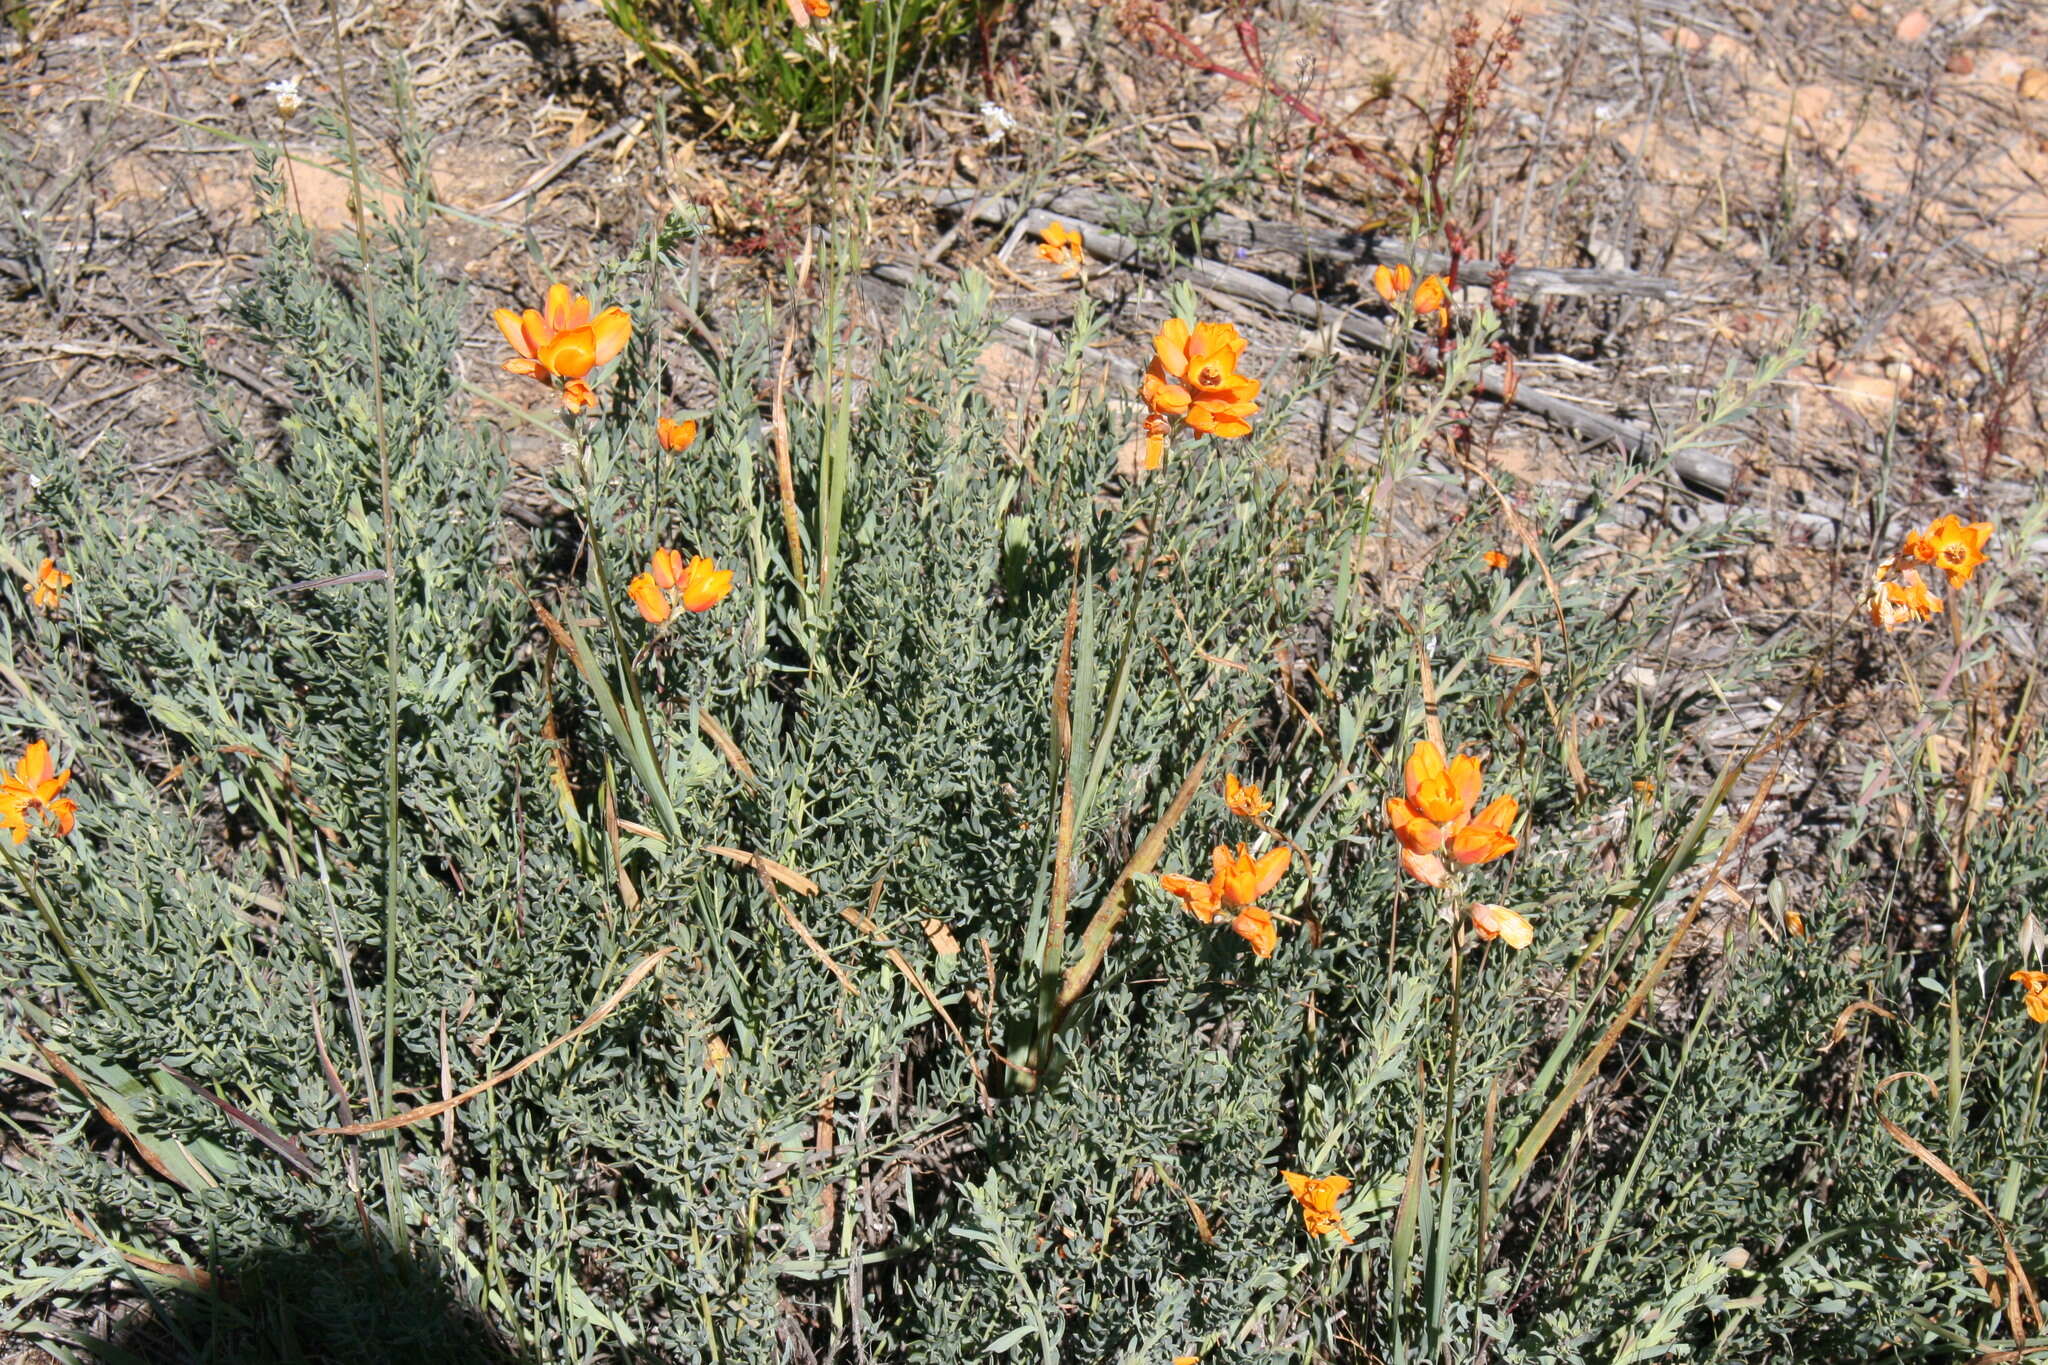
(294, 1155)
(1589, 1066)
(722, 738)
(797, 926)
(788, 876)
(109, 1113)
(785, 475)
(916, 979)
(2020, 1300)
(1063, 752)
(170, 1270)
(1841, 1028)
(604, 1011)
(1116, 902)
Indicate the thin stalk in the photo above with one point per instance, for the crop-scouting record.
(389, 538)
(56, 928)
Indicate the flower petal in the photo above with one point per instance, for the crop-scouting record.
(612, 330)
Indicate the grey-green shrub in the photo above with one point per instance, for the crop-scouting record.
(657, 1188)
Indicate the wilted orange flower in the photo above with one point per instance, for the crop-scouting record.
(1892, 602)
(563, 341)
(1437, 809)
(1194, 376)
(1495, 560)
(1255, 926)
(669, 583)
(29, 799)
(47, 592)
(1485, 837)
(2035, 984)
(1241, 879)
(1243, 798)
(1498, 922)
(1951, 546)
(1392, 284)
(1432, 295)
(1155, 439)
(1060, 244)
(675, 437)
(1199, 897)
(1426, 868)
(1318, 1196)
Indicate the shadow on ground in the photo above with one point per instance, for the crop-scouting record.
(342, 1304)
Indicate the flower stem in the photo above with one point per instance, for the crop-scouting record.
(56, 928)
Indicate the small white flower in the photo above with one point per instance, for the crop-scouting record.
(996, 123)
(287, 93)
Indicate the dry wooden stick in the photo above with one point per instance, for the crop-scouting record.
(1346, 248)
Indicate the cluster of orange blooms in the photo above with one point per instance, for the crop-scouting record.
(1236, 880)
(562, 341)
(46, 592)
(1062, 245)
(1193, 376)
(1432, 297)
(669, 583)
(1436, 814)
(1898, 594)
(29, 797)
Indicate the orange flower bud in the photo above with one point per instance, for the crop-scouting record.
(675, 437)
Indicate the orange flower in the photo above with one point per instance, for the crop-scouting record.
(563, 341)
(675, 437)
(1244, 799)
(1318, 1196)
(1255, 926)
(1498, 922)
(1198, 897)
(28, 796)
(1893, 602)
(1242, 879)
(1194, 376)
(2035, 984)
(1187, 1360)
(1417, 833)
(1392, 284)
(47, 592)
(669, 583)
(1433, 295)
(1442, 792)
(1495, 560)
(649, 598)
(1485, 837)
(704, 585)
(1060, 244)
(1950, 546)
(820, 9)
(1438, 810)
